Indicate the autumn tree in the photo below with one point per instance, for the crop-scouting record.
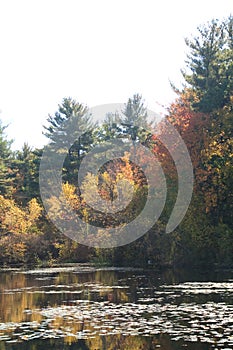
(210, 78)
(203, 116)
(17, 229)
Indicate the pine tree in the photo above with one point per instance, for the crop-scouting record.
(25, 166)
(5, 161)
(71, 129)
(134, 116)
(210, 65)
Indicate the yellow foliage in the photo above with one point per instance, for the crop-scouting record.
(34, 210)
(68, 191)
(16, 220)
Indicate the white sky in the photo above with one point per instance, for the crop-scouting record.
(96, 51)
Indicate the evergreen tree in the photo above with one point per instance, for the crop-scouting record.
(5, 162)
(71, 129)
(26, 174)
(135, 118)
(210, 65)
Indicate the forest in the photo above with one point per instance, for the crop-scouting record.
(202, 113)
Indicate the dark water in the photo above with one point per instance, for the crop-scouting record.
(85, 308)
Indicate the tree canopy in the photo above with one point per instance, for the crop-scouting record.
(202, 113)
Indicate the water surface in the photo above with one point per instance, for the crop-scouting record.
(81, 308)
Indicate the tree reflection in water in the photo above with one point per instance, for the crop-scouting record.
(81, 308)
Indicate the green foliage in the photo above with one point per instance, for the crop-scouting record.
(5, 161)
(224, 244)
(70, 130)
(25, 177)
(210, 63)
(135, 119)
(202, 114)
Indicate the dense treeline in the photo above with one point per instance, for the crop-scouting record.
(202, 114)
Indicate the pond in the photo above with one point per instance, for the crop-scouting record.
(85, 308)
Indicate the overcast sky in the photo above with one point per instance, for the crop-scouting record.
(96, 51)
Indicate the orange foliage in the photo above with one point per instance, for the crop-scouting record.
(192, 126)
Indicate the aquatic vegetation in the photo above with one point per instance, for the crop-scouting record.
(128, 304)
